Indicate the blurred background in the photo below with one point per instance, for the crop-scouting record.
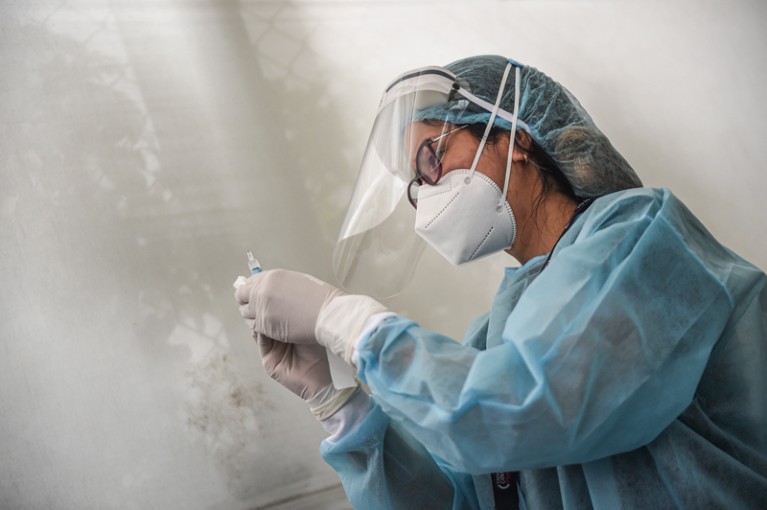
(145, 146)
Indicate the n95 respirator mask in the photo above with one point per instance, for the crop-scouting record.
(464, 217)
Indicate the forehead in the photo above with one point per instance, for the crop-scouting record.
(414, 135)
(416, 132)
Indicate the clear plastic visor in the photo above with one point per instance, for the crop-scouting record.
(378, 249)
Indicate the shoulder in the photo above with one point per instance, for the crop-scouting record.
(629, 203)
(616, 223)
(665, 227)
(639, 207)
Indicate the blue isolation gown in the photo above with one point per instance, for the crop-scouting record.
(630, 373)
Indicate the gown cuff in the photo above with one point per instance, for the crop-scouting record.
(370, 325)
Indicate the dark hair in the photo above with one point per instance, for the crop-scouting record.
(553, 179)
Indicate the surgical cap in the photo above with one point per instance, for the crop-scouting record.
(552, 116)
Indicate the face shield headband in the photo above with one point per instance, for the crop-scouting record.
(448, 83)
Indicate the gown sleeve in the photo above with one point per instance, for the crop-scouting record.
(382, 467)
(600, 354)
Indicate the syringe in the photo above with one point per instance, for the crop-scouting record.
(341, 373)
(253, 264)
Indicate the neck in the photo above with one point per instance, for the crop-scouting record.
(541, 225)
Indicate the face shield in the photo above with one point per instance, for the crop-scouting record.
(378, 249)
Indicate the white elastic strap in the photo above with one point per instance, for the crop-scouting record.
(489, 107)
(515, 116)
(490, 122)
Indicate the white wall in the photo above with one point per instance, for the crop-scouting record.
(146, 145)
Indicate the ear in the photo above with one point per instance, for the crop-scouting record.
(522, 143)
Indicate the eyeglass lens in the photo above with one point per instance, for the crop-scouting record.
(428, 167)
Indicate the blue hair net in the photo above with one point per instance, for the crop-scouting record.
(552, 116)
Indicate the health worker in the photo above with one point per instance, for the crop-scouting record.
(623, 365)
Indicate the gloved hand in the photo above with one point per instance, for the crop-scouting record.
(286, 306)
(304, 370)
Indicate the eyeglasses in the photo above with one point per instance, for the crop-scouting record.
(428, 165)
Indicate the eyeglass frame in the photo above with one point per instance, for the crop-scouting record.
(420, 178)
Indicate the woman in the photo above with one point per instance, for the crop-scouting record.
(621, 366)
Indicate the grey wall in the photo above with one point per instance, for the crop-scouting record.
(146, 145)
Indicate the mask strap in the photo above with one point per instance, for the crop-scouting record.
(517, 81)
(490, 123)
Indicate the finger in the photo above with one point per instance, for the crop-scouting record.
(240, 281)
(250, 280)
(242, 293)
(246, 312)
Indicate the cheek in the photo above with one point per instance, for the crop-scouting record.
(456, 162)
(486, 165)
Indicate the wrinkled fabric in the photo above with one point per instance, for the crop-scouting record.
(630, 373)
(553, 117)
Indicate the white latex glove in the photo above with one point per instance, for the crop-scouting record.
(284, 305)
(304, 370)
(298, 308)
(341, 321)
